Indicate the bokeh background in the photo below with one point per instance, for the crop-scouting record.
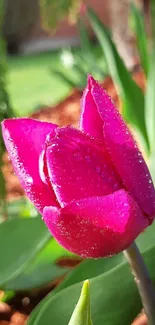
(47, 49)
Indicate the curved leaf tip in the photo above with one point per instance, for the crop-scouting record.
(81, 314)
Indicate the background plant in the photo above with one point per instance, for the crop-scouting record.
(5, 108)
(138, 108)
(81, 62)
(32, 260)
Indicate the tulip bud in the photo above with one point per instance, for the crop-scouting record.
(81, 314)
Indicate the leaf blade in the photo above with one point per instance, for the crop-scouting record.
(108, 293)
(131, 95)
(20, 242)
(81, 314)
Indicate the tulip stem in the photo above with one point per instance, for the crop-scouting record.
(143, 281)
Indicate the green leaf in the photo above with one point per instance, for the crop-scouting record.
(149, 97)
(7, 296)
(42, 270)
(20, 208)
(79, 72)
(111, 300)
(80, 68)
(86, 46)
(152, 5)
(141, 37)
(89, 268)
(150, 103)
(88, 56)
(20, 241)
(81, 314)
(112, 289)
(130, 93)
(152, 165)
(70, 82)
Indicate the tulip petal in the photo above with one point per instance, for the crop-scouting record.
(124, 152)
(79, 167)
(97, 226)
(24, 139)
(90, 120)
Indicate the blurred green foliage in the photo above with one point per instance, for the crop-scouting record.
(29, 255)
(5, 109)
(113, 291)
(5, 105)
(53, 11)
(81, 62)
(141, 37)
(131, 95)
(138, 107)
(39, 85)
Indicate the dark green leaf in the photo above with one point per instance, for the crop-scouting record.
(64, 78)
(112, 289)
(141, 37)
(152, 4)
(130, 93)
(152, 165)
(42, 270)
(20, 241)
(111, 300)
(79, 67)
(88, 56)
(89, 269)
(86, 46)
(150, 103)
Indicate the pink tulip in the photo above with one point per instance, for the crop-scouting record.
(91, 185)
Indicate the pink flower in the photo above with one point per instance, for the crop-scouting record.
(91, 185)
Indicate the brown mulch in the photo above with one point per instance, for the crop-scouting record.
(66, 112)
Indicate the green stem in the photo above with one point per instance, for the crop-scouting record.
(143, 281)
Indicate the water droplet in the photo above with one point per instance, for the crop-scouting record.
(29, 179)
(78, 156)
(98, 168)
(54, 145)
(88, 158)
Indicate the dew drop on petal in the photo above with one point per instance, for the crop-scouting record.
(98, 168)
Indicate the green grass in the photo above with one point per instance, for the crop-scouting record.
(31, 84)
